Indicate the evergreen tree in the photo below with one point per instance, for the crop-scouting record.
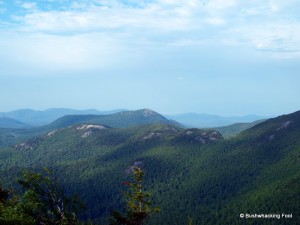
(139, 206)
(45, 201)
(11, 212)
(3, 195)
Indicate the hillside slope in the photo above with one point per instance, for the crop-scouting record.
(117, 120)
(43, 117)
(235, 129)
(6, 122)
(191, 172)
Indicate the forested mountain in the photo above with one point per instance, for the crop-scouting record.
(39, 118)
(44, 117)
(120, 119)
(234, 129)
(190, 172)
(6, 122)
(117, 120)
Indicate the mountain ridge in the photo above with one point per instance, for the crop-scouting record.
(204, 120)
(6, 122)
(198, 120)
(121, 119)
(117, 120)
(44, 117)
(236, 128)
(211, 182)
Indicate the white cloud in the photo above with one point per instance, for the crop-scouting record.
(221, 4)
(215, 21)
(32, 6)
(92, 36)
(42, 54)
(274, 7)
(282, 38)
(58, 21)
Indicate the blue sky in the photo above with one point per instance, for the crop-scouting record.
(232, 57)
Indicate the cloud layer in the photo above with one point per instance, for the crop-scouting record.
(245, 51)
(74, 33)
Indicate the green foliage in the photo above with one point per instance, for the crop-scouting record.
(139, 206)
(190, 221)
(234, 129)
(11, 212)
(3, 195)
(45, 201)
(118, 120)
(212, 182)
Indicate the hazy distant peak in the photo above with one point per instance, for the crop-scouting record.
(150, 113)
(6, 122)
(147, 113)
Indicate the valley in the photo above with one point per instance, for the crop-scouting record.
(191, 173)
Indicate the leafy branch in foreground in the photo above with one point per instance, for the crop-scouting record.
(45, 201)
(139, 206)
(11, 212)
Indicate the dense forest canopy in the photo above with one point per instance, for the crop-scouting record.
(193, 175)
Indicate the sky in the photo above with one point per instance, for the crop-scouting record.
(233, 57)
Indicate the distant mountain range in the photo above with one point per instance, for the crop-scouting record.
(203, 120)
(36, 122)
(191, 173)
(11, 133)
(6, 122)
(39, 118)
(116, 120)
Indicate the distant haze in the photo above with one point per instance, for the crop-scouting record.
(209, 56)
(43, 117)
(19, 118)
(210, 120)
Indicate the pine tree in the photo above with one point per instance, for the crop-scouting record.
(45, 201)
(139, 206)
